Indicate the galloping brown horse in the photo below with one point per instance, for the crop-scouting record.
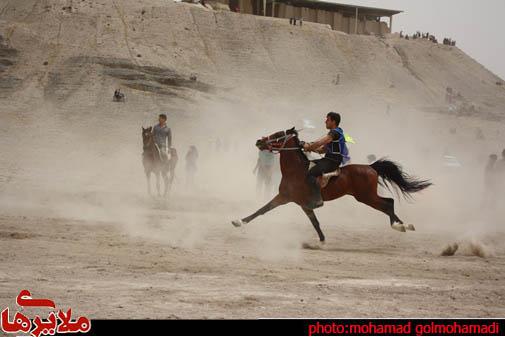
(153, 163)
(360, 181)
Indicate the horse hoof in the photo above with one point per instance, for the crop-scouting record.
(311, 246)
(410, 227)
(237, 223)
(398, 227)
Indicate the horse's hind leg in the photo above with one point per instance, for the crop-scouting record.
(385, 205)
(165, 183)
(393, 218)
(171, 178)
(275, 202)
(158, 183)
(312, 216)
(390, 210)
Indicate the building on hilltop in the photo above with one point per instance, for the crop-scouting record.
(347, 18)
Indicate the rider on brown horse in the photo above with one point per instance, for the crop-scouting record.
(162, 137)
(335, 150)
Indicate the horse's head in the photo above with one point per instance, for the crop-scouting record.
(278, 140)
(147, 135)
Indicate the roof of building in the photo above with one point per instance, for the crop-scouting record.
(345, 8)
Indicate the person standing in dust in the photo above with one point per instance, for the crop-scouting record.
(500, 174)
(490, 170)
(491, 184)
(191, 159)
(264, 169)
(500, 165)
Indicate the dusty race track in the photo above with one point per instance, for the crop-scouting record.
(368, 270)
(77, 226)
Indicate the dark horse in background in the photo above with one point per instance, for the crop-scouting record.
(360, 181)
(153, 163)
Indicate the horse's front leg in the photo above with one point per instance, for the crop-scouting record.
(171, 177)
(165, 183)
(148, 179)
(312, 216)
(278, 200)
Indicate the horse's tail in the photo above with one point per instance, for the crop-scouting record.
(392, 173)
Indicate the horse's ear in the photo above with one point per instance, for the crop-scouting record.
(150, 128)
(292, 131)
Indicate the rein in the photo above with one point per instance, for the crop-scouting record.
(285, 139)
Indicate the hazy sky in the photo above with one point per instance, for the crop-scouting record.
(477, 26)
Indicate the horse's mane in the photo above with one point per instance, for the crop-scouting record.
(302, 155)
(152, 147)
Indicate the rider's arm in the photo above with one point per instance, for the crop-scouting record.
(318, 143)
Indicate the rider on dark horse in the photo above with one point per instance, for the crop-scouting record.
(162, 137)
(336, 152)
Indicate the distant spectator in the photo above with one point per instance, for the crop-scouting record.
(191, 159)
(388, 109)
(500, 165)
(449, 95)
(479, 134)
(490, 170)
(264, 169)
(292, 21)
(218, 145)
(491, 182)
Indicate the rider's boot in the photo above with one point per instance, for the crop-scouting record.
(315, 199)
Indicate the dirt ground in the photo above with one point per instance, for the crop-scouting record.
(77, 226)
(363, 271)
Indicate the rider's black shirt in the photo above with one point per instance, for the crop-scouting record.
(335, 136)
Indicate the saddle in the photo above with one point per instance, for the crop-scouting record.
(325, 178)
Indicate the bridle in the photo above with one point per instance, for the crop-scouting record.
(272, 143)
(149, 141)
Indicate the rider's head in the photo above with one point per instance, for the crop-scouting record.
(162, 118)
(493, 157)
(332, 120)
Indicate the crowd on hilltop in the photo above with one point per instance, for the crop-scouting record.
(427, 36)
(449, 41)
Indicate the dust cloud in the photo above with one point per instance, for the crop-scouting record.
(73, 194)
(93, 172)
